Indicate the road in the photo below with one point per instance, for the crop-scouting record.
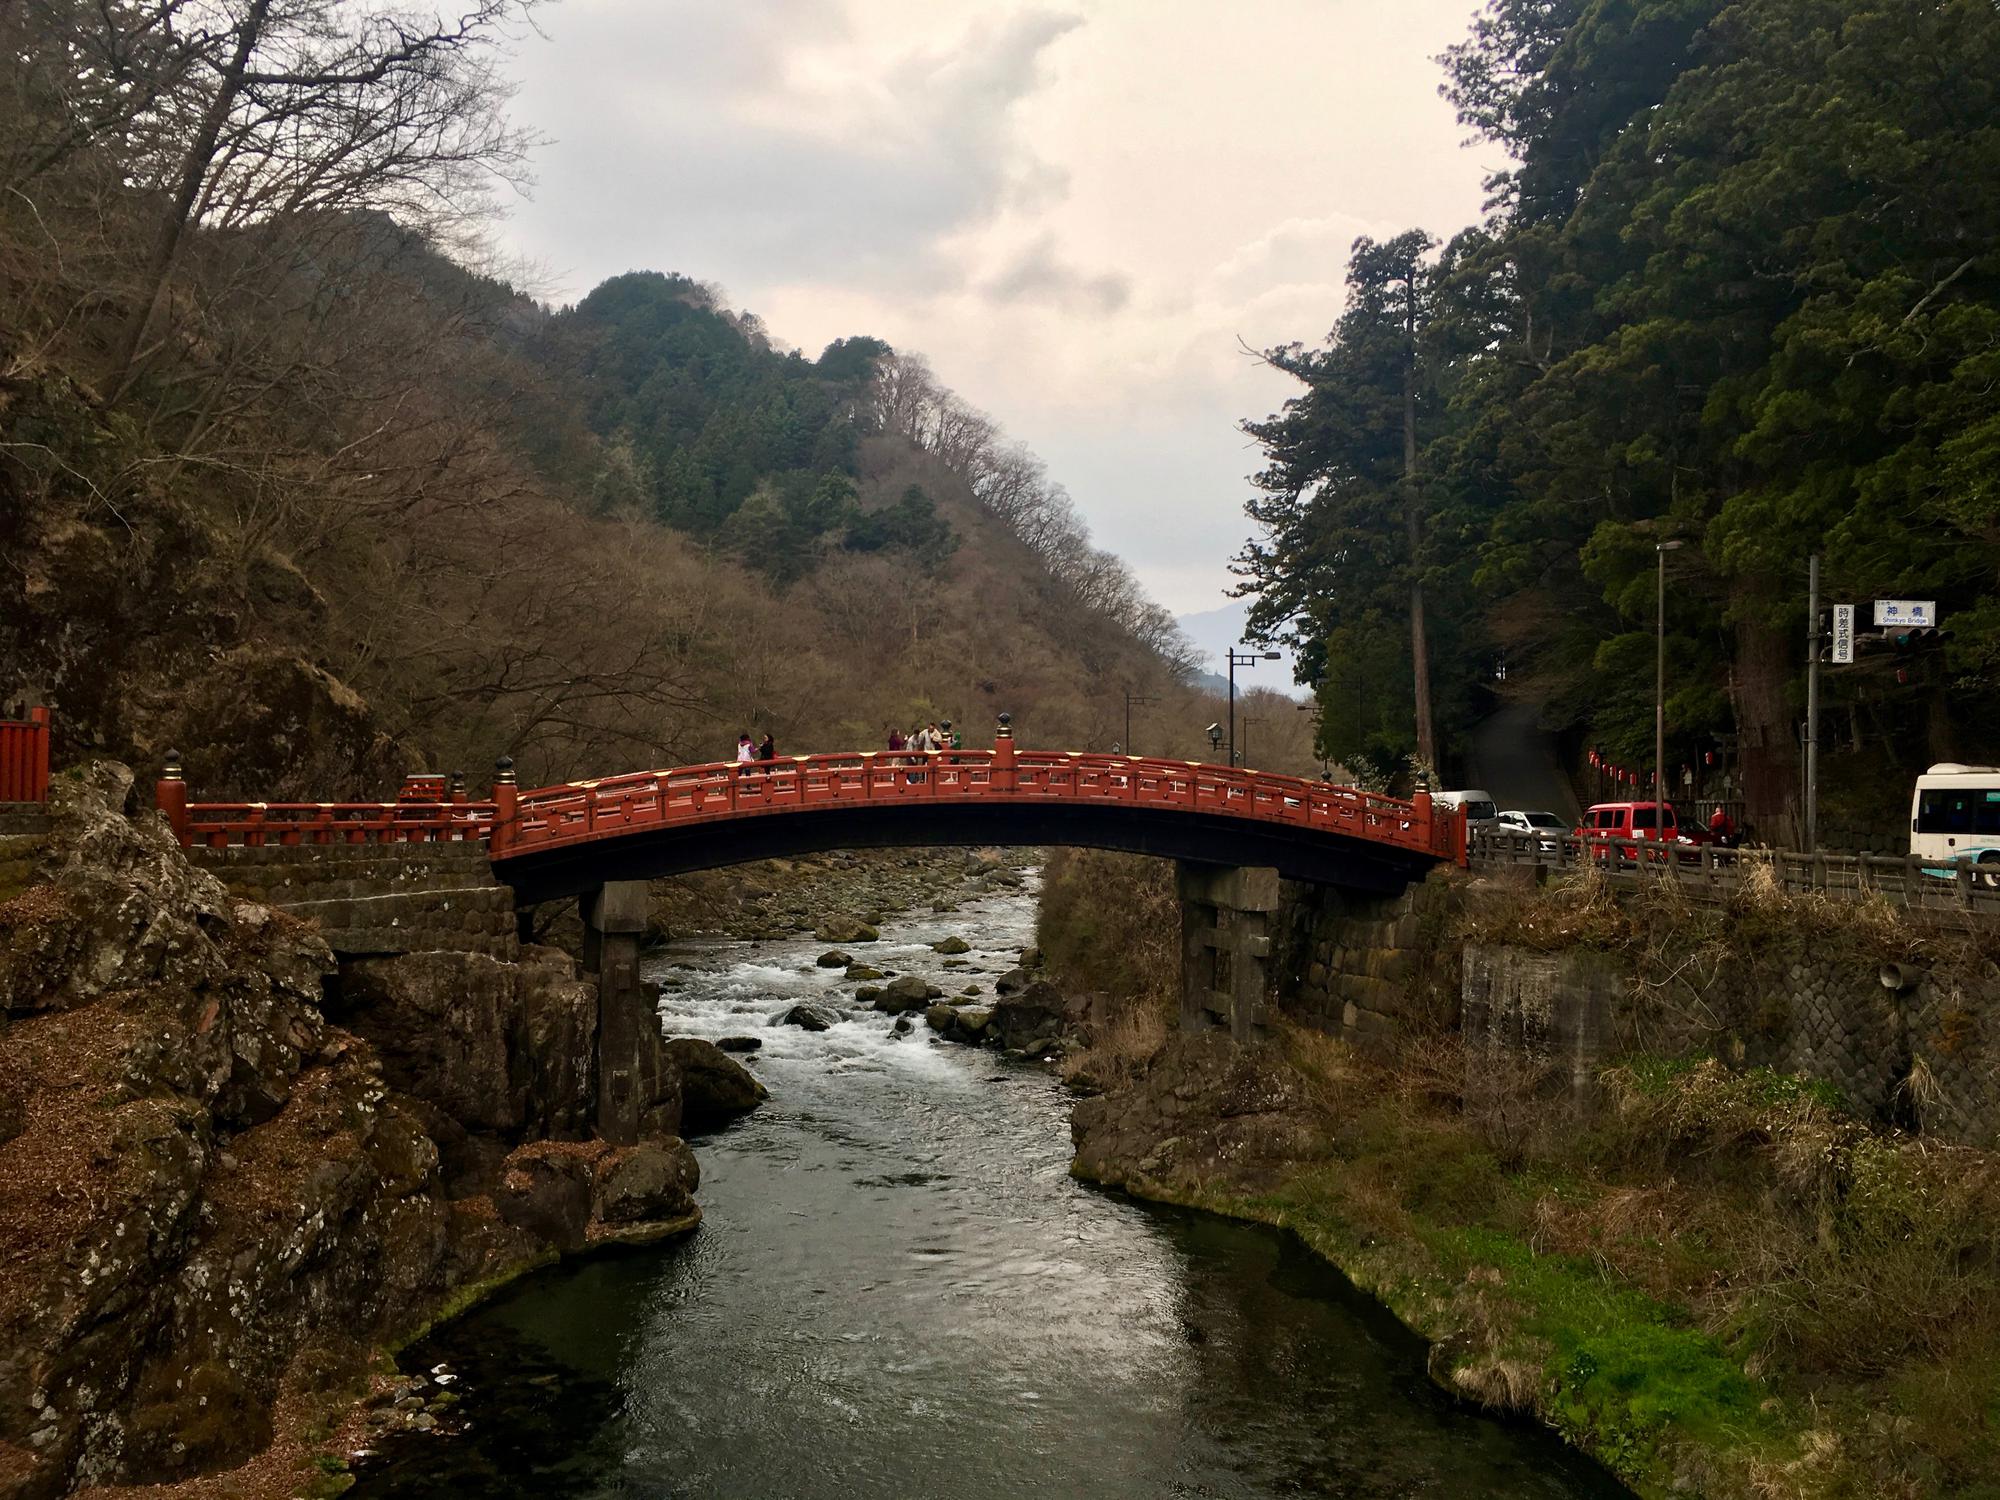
(1514, 758)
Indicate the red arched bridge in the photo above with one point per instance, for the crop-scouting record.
(570, 839)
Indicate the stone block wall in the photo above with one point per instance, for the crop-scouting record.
(1362, 968)
(1921, 1051)
(379, 898)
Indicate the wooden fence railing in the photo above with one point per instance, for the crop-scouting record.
(24, 757)
(1902, 879)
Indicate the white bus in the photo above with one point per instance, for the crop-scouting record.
(1955, 814)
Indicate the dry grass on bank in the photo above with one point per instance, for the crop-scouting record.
(1119, 1047)
(1716, 1278)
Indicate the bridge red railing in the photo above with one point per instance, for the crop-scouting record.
(24, 757)
(427, 812)
(518, 822)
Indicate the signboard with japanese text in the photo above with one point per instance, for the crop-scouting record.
(1843, 634)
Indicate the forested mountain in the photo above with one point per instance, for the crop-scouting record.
(1739, 290)
(285, 486)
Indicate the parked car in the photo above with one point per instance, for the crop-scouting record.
(1480, 810)
(1641, 822)
(1546, 826)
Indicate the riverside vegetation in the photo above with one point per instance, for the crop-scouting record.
(1718, 1281)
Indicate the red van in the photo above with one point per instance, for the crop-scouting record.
(1638, 821)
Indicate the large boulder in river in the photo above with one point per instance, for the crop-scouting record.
(910, 992)
(1031, 1019)
(952, 945)
(650, 1183)
(1011, 983)
(845, 930)
(808, 1017)
(715, 1087)
(833, 958)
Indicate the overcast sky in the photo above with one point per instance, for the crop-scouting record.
(1075, 210)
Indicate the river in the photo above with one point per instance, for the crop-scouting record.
(898, 1291)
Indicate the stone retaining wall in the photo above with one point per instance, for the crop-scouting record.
(1362, 968)
(379, 898)
(1921, 1051)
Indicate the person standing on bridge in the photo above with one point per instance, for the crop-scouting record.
(767, 748)
(896, 740)
(746, 751)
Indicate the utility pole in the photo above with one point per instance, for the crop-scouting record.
(1660, 798)
(1248, 720)
(1812, 706)
(1241, 659)
(1130, 699)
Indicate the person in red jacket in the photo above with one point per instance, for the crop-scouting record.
(1722, 827)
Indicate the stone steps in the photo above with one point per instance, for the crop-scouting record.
(23, 819)
(378, 898)
(20, 853)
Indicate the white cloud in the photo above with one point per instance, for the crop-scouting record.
(1079, 212)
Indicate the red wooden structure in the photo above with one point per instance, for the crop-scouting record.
(519, 823)
(24, 757)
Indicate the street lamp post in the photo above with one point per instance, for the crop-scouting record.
(1130, 699)
(1660, 552)
(1214, 740)
(1241, 659)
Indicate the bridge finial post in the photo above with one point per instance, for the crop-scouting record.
(455, 787)
(170, 796)
(1005, 777)
(506, 799)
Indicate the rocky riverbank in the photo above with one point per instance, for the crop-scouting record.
(835, 895)
(1718, 1279)
(231, 1175)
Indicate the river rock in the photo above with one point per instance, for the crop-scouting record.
(939, 1017)
(909, 992)
(715, 1087)
(863, 971)
(545, 1189)
(868, 994)
(1036, 1016)
(834, 959)
(1031, 958)
(902, 1026)
(808, 1017)
(972, 1022)
(740, 1044)
(1011, 983)
(952, 945)
(845, 930)
(651, 1181)
(970, 990)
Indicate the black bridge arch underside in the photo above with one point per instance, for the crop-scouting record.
(1311, 855)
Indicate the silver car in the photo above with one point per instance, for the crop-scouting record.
(1546, 826)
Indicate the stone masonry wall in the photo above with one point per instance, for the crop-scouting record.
(1921, 1050)
(1362, 968)
(379, 898)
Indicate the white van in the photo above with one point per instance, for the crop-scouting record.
(1480, 810)
(1955, 813)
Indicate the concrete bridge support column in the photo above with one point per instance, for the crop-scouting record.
(1225, 946)
(628, 1025)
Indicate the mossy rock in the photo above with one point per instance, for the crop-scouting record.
(952, 945)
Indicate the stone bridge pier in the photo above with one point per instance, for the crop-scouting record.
(1226, 945)
(631, 1061)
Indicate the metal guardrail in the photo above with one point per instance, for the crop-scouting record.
(1901, 879)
